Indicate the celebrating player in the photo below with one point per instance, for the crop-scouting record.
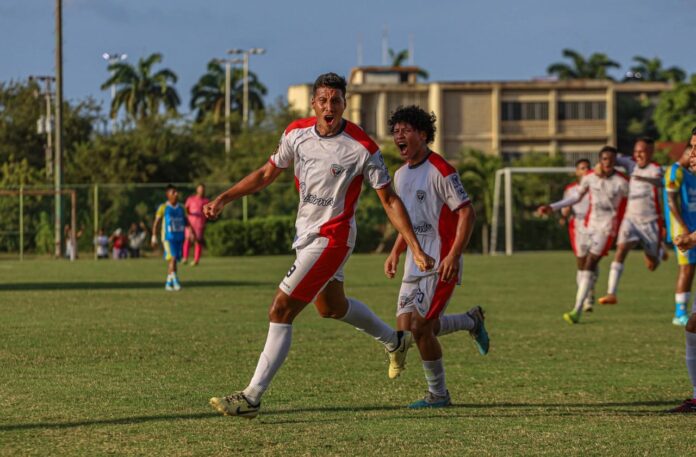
(643, 220)
(579, 237)
(686, 242)
(608, 189)
(194, 208)
(174, 221)
(331, 157)
(443, 220)
(680, 190)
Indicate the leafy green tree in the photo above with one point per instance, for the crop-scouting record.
(140, 91)
(398, 59)
(675, 114)
(651, 70)
(208, 94)
(594, 67)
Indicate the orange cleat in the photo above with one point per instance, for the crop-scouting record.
(608, 300)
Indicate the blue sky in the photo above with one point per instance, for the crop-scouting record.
(454, 40)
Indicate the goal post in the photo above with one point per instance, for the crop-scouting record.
(503, 178)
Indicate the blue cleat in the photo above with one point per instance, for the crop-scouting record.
(432, 401)
(479, 333)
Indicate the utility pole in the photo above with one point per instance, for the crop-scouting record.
(58, 174)
(45, 123)
(228, 90)
(245, 55)
(113, 58)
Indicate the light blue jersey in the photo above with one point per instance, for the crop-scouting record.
(173, 222)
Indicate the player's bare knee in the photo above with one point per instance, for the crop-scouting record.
(421, 328)
(281, 311)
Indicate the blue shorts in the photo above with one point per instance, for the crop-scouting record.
(173, 250)
(686, 257)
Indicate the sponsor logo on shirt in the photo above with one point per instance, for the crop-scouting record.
(313, 199)
(336, 170)
(422, 228)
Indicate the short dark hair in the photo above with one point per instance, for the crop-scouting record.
(331, 80)
(608, 148)
(169, 187)
(587, 161)
(417, 118)
(647, 140)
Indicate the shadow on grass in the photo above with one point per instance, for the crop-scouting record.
(502, 410)
(29, 286)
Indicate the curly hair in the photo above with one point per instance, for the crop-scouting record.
(417, 118)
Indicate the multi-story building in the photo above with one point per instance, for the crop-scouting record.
(510, 118)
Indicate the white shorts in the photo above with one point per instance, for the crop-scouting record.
(428, 296)
(315, 265)
(600, 241)
(647, 233)
(579, 238)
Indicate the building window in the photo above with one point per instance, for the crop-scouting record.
(525, 111)
(592, 111)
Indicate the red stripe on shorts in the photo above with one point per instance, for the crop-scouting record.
(321, 272)
(443, 292)
(571, 234)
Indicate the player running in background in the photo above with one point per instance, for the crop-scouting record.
(174, 221)
(680, 190)
(643, 221)
(443, 220)
(196, 230)
(608, 189)
(577, 232)
(686, 243)
(332, 157)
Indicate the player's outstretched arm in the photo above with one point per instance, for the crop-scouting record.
(555, 206)
(449, 266)
(251, 183)
(398, 216)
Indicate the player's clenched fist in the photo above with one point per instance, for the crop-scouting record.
(685, 242)
(213, 209)
(423, 261)
(390, 265)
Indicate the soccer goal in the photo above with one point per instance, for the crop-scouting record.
(504, 177)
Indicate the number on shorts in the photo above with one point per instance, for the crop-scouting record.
(291, 271)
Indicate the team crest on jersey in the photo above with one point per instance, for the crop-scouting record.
(420, 195)
(336, 170)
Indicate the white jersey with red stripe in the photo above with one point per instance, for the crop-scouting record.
(431, 192)
(643, 197)
(329, 172)
(607, 201)
(580, 208)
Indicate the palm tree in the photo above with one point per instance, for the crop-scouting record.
(651, 70)
(140, 92)
(593, 68)
(208, 94)
(399, 58)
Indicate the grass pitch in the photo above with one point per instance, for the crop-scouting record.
(96, 358)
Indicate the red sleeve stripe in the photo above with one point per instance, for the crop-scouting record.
(275, 165)
(361, 137)
(301, 124)
(622, 175)
(441, 164)
(570, 186)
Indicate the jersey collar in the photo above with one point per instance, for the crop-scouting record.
(425, 159)
(340, 130)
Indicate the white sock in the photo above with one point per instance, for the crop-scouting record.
(578, 275)
(691, 358)
(435, 376)
(614, 277)
(274, 353)
(595, 275)
(362, 318)
(454, 322)
(583, 288)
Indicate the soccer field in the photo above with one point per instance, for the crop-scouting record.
(98, 359)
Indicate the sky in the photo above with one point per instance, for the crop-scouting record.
(453, 40)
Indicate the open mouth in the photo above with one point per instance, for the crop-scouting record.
(329, 119)
(402, 147)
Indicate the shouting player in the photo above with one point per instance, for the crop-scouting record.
(174, 222)
(443, 220)
(643, 221)
(331, 158)
(577, 232)
(686, 242)
(608, 189)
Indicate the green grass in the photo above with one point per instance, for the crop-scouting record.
(96, 358)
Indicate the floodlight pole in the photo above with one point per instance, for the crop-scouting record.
(112, 58)
(245, 58)
(58, 174)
